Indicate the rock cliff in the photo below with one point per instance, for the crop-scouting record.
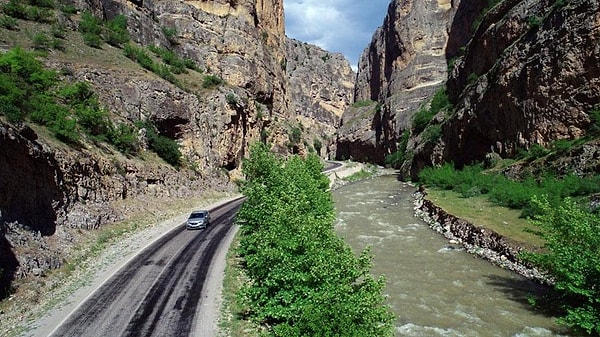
(517, 73)
(321, 86)
(404, 65)
(529, 76)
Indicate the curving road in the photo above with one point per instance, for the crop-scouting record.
(159, 292)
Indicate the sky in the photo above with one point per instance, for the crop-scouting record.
(343, 26)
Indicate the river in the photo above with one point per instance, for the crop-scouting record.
(434, 288)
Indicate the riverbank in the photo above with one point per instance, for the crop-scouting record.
(479, 241)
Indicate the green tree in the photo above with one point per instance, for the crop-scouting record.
(302, 274)
(572, 258)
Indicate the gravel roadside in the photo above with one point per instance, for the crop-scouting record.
(46, 316)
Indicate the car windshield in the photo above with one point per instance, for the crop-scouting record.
(196, 215)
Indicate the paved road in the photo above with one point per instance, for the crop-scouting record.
(158, 293)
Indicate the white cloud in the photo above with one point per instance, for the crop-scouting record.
(344, 26)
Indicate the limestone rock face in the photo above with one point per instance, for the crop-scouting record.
(404, 65)
(242, 42)
(529, 76)
(321, 86)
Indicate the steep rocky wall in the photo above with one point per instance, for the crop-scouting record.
(50, 192)
(242, 42)
(402, 67)
(321, 87)
(529, 76)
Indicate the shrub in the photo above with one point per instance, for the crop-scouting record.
(68, 9)
(8, 22)
(211, 81)
(124, 138)
(42, 3)
(164, 147)
(92, 40)
(91, 28)
(170, 34)
(22, 80)
(533, 21)
(59, 31)
(295, 135)
(571, 257)
(317, 145)
(43, 15)
(15, 9)
(116, 31)
(364, 103)
(41, 41)
(432, 133)
(423, 117)
(191, 64)
(397, 158)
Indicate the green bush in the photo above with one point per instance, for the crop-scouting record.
(124, 138)
(8, 22)
(295, 135)
(423, 117)
(212, 81)
(432, 133)
(43, 3)
(22, 80)
(317, 145)
(92, 40)
(164, 147)
(301, 274)
(572, 257)
(397, 158)
(41, 41)
(91, 28)
(170, 34)
(472, 180)
(68, 9)
(116, 33)
(364, 103)
(533, 21)
(15, 9)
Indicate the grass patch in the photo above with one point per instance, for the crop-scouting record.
(365, 173)
(479, 211)
(232, 321)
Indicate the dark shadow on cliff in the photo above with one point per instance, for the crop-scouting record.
(29, 180)
(8, 263)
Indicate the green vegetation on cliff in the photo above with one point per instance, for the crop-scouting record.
(301, 274)
(71, 111)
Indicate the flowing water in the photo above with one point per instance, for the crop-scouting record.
(434, 288)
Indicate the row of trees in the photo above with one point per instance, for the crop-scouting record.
(304, 280)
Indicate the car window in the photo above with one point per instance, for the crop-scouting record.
(197, 215)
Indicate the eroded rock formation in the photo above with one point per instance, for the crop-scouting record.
(321, 86)
(404, 65)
